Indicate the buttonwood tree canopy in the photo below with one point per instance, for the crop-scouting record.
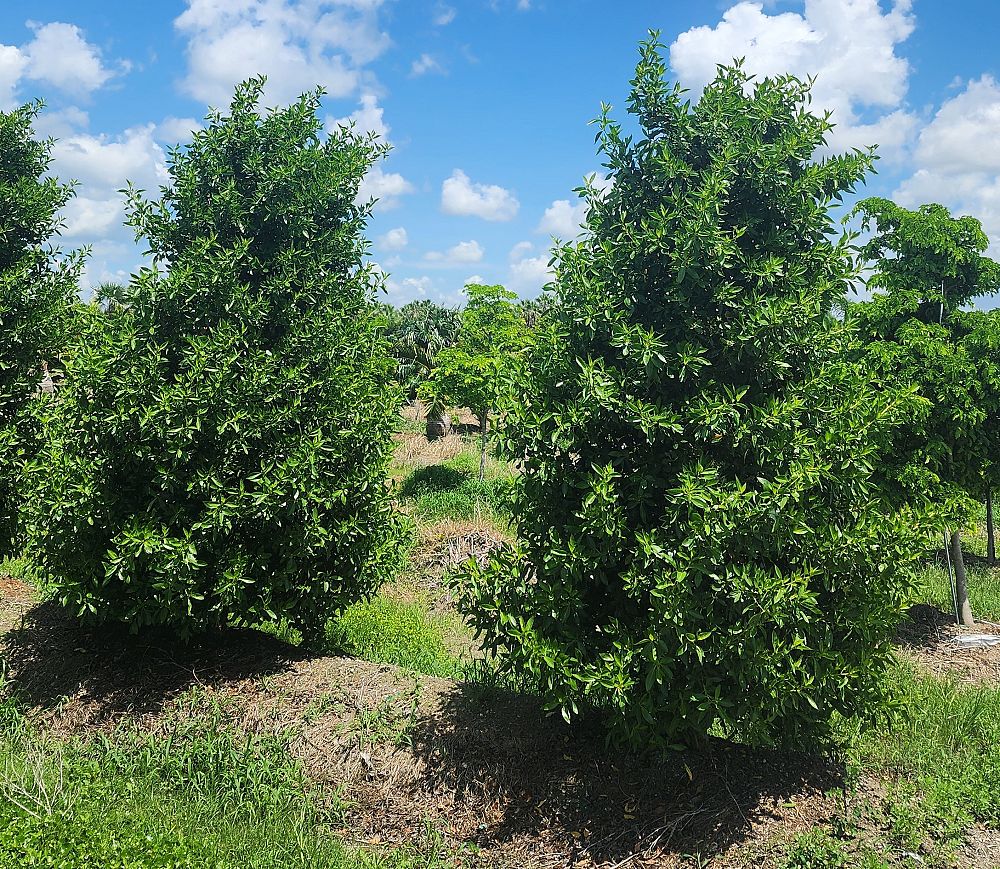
(925, 266)
(219, 451)
(37, 287)
(700, 536)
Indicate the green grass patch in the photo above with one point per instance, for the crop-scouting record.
(815, 850)
(939, 754)
(453, 490)
(16, 567)
(197, 795)
(474, 500)
(984, 590)
(392, 631)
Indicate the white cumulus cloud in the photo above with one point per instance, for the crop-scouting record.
(957, 163)
(59, 123)
(175, 131)
(463, 253)
(102, 165)
(528, 274)
(109, 162)
(384, 186)
(58, 55)
(394, 239)
(849, 45)
(463, 197)
(408, 289)
(12, 64)
(86, 218)
(298, 44)
(563, 218)
(367, 118)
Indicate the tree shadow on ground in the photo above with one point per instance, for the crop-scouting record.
(432, 478)
(973, 560)
(924, 626)
(527, 781)
(49, 657)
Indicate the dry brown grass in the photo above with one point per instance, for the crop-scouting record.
(413, 450)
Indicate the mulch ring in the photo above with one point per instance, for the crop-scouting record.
(928, 637)
(16, 598)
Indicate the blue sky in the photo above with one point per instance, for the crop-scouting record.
(487, 103)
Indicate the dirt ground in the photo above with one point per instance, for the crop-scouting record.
(500, 782)
(928, 638)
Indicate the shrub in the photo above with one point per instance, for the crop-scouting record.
(701, 541)
(219, 452)
(36, 287)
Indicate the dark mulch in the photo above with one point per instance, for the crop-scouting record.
(79, 677)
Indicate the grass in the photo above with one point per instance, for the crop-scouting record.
(16, 568)
(452, 490)
(984, 590)
(815, 850)
(984, 580)
(392, 631)
(944, 744)
(398, 626)
(917, 780)
(198, 795)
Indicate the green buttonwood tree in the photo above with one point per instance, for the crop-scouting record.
(37, 287)
(924, 267)
(700, 539)
(482, 371)
(219, 450)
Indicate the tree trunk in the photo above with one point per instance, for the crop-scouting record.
(483, 423)
(438, 426)
(961, 582)
(991, 543)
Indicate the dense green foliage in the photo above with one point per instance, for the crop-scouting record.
(417, 332)
(925, 265)
(701, 540)
(36, 289)
(481, 370)
(220, 448)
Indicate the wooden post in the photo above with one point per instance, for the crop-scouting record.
(991, 544)
(961, 581)
(483, 423)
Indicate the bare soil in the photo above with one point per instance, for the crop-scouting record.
(502, 782)
(928, 639)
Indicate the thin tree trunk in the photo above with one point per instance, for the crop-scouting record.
(483, 422)
(991, 543)
(961, 582)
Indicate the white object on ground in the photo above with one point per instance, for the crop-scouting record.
(976, 641)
